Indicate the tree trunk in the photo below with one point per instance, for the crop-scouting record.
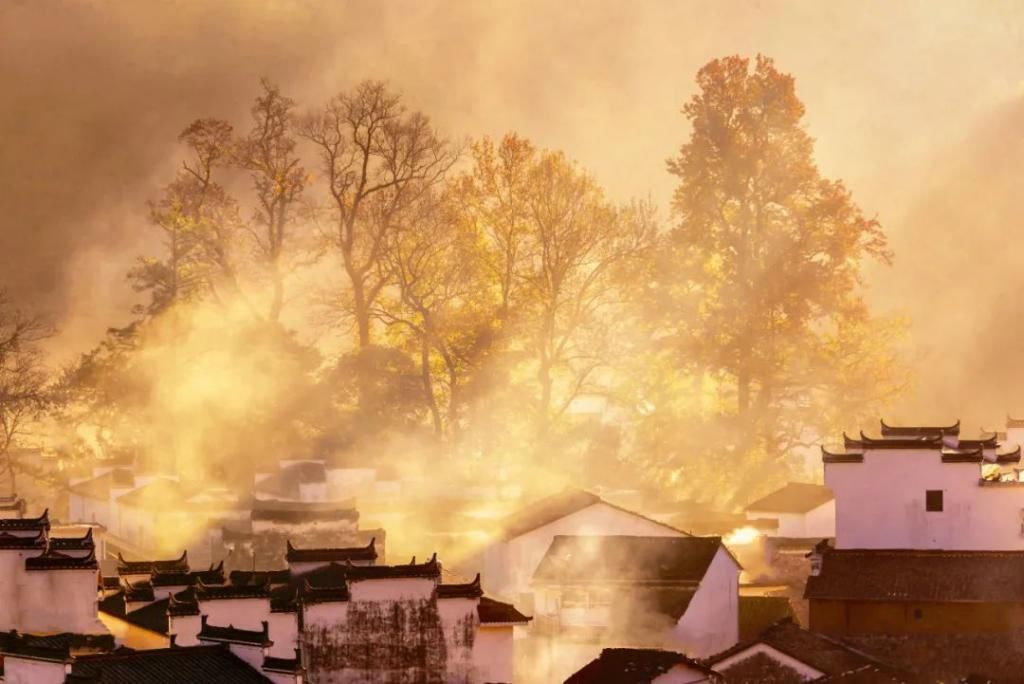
(428, 385)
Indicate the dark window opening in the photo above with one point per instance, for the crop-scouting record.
(933, 500)
(917, 614)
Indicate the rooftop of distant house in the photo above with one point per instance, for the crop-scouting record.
(555, 507)
(793, 497)
(828, 656)
(635, 666)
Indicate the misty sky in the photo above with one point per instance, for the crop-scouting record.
(94, 94)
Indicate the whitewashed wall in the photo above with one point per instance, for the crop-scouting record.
(284, 632)
(494, 654)
(242, 613)
(818, 522)
(26, 671)
(880, 504)
(711, 622)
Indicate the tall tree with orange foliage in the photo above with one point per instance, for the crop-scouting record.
(765, 262)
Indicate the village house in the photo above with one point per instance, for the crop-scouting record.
(926, 488)
(914, 591)
(510, 561)
(334, 614)
(643, 666)
(46, 584)
(785, 652)
(798, 509)
(676, 593)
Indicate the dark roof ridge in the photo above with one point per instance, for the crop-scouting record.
(325, 554)
(921, 442)
(54, 560)
(26, 523)
(953, 429)
(465, 590)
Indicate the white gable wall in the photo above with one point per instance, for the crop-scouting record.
(28, 671)
(817, 522)
(880, 504)
(509, 565)
(284, 632)
(243, 613)
(494, 654)
(711, 622)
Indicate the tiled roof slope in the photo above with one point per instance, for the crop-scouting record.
(192, 664)
(919, 575)
(547, 510)
(634, 666)
(572, 559)
(820, 652)
(496, 612)
(794, 497)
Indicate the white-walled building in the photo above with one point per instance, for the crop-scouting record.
(47, 585)
(510, 561)
(926, 488)
(676, 592)
(334, 614)
(801, 509)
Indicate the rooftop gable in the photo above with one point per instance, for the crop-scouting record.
(635, 666)
(145, 567)
(828, 656)
(793, 497)
(557, 506)
(492, 612)
(329, 555)
(918, 430)
(620, 558)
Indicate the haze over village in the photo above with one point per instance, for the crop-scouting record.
(476, 343)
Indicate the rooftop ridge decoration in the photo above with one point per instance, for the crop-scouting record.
(20, 524)
(1012, 456)
(179, 607)
(843, 456)
(214, 575)
(208, 592)
(865, 442)
(145, 567)
(308, 594)
(54, 560)
(234, 635)
(139, 591)
(73, 543)
(13, 541)
(429, 570)
(912, 430)
(467, 590)
(362, 553)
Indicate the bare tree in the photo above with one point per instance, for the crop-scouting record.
(376, 158)
(278, 179)
(199, 220)
(439, 303)
(23, 379)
